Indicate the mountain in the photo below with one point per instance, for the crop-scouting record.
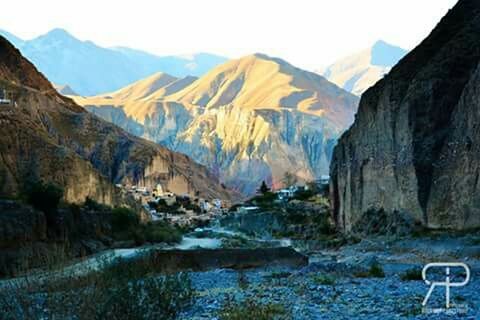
(90, 69)
(413, 150)
(44, 135)
(248, 120)
(362, 70)
(64, 90)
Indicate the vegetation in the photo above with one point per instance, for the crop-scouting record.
(251, 309)
(124, 219)
(265, 200)
(303, 194)
(120, 291)
(375, 271)
(46, 198)
(278, 275)
(162, 232)
(94, 205)
(411, 275)
(324, 279)
(263, 188)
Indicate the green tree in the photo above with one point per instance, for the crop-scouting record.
(264, 189)
(124, 219)
(44, 197)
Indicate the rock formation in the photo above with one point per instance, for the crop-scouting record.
(414, 146)
(45, 135)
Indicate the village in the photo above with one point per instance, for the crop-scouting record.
(179, 209)
(186, 210)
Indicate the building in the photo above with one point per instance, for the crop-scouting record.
(217, 203)
(247, 209)
(284, 194)
(323, 180)
(158, 191)
(5, 98)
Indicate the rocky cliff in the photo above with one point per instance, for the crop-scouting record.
(414, 146)
(248, 120)
(47, 136)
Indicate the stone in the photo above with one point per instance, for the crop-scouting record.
(414, 145)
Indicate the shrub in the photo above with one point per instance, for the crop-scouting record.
(162, 232)
(121, 291)
(323, 279)
(44, 197)
(375, 271)
(303, 194)
(94, 205)
(250, 309)
(265, 200)
(411, 274)
(278, 275)
(124, 219)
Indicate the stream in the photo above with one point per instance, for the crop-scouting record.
(213, 237)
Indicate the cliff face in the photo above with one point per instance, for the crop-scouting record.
(414, 146)
(45, 135)
(248, 120)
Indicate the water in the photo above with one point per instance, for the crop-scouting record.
(189, 243)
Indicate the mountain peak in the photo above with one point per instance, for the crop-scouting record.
(359, 71)
(59, 32)
(385, 54)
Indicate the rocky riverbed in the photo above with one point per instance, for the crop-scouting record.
(370, 278)
(337, 284)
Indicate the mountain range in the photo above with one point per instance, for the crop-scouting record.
(46, 136)
(412, 154)
(90, 69)
(358, 72)
(248, 120)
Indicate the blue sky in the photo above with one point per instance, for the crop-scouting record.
(308, 33)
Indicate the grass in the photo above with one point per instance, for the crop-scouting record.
(251, 309)
(411, 275)
(278, 275)
(119, 291)
(375, 271)
(324, 279)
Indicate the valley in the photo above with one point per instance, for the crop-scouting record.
(136, 186)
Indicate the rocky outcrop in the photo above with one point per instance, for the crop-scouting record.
(208, 259)
(47, 136)
(27, 240)
(414, 146)
(248, 120)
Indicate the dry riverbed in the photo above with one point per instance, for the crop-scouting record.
(339, 284)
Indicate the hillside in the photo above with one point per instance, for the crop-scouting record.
(412, 152)
(62, 58)
(248, 120)
(360, 71)
(45, 135)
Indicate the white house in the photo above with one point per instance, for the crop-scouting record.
(205, 205)
(284, 194)
(217, 203)
(4, 98)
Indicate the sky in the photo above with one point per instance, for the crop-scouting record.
(307, 33)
